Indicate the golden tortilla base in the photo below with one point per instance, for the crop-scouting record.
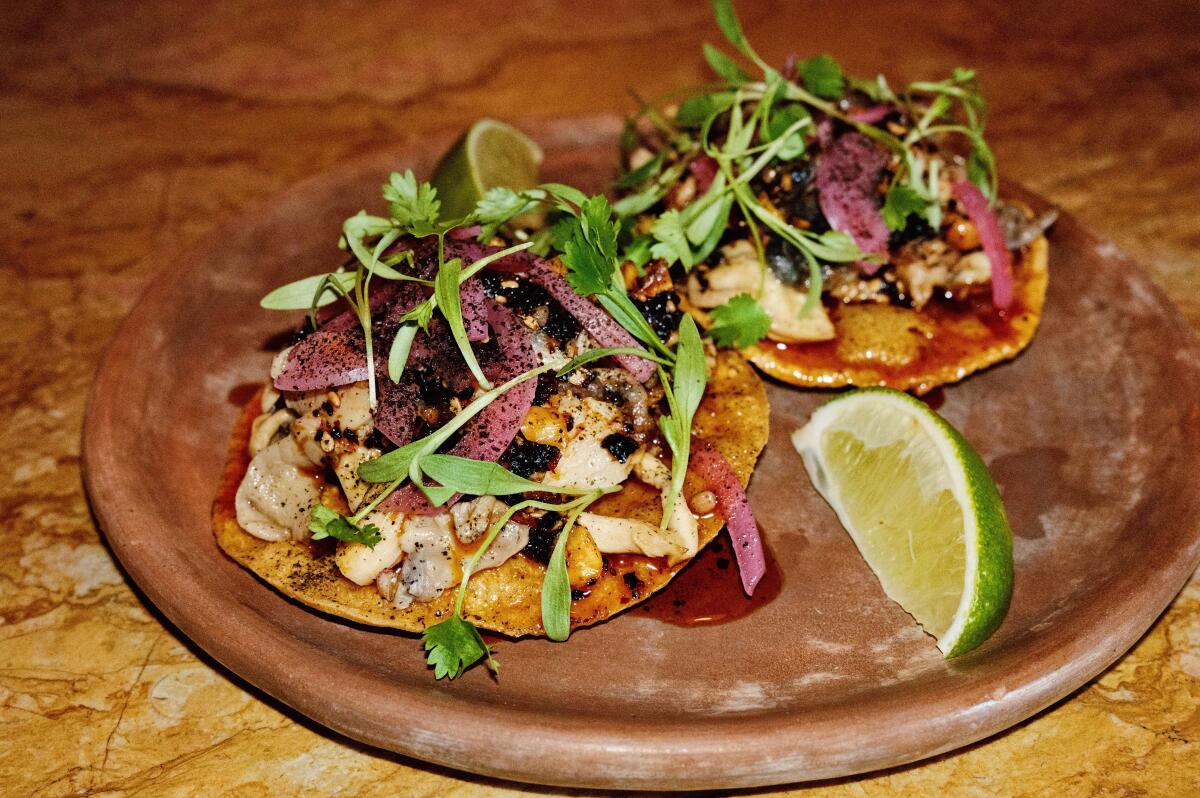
(732, 417)
(911, 350)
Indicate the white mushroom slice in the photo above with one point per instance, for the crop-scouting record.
(784, 305)
(512, 538)
(362, 564)
(584, 462)
(651, 470)
(270, 396)
(474, 518)
(279, 362)
(972, 269)
(631, 536)
(342, 409)
(264, 429)
(558, 356)
(304, 433)
(427, 569)
(277, 493)
(346, 467)
(741, 273)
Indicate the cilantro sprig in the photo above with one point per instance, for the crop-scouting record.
(740, 322)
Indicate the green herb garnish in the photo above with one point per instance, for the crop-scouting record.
(325, 522)
(740, 322)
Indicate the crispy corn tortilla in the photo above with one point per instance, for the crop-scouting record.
(732, 417)
(911, 350)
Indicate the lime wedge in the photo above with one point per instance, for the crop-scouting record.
(920, 505)
(489, 154)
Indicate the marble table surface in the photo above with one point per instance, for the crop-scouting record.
(129, 131)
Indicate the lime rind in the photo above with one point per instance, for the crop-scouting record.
(988, 563)
(491, 153)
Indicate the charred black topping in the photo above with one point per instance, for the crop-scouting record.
(542, 537)
(561, 326)
(663, 313)
(547, 384)
(526, 458)
(792, 188)
(619, 446)
(526, 298)
(916, 228)
(632, 582)
(577, 595)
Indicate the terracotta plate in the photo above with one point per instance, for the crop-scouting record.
(1093, 435)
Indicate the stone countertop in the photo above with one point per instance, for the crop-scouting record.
(126, 134)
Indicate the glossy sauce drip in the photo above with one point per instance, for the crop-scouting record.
(709, 592)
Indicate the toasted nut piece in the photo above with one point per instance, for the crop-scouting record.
(961, 234)
(703, 502)
(543, 425)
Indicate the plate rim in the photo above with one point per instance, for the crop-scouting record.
(631, 755)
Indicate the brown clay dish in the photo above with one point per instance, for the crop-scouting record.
(1093, 435)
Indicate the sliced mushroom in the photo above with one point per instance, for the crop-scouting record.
(277, 493)
(741, 273)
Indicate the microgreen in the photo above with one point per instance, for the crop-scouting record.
(671, 239)
(902, 201)
(445, 289)
(585, 357)
(725, 66)
(311, 292)
(683, 395)
(396, 464)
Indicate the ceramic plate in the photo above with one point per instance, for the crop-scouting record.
(1093, 435)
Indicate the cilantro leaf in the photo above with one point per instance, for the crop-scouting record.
(740, 322)
(500, 204)
(588, 243)
(588, 271)
(453, 645)
(413, 206)
(670, 235)
(823, 77)
(598, 226)
(325, 522)
(901, 202)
